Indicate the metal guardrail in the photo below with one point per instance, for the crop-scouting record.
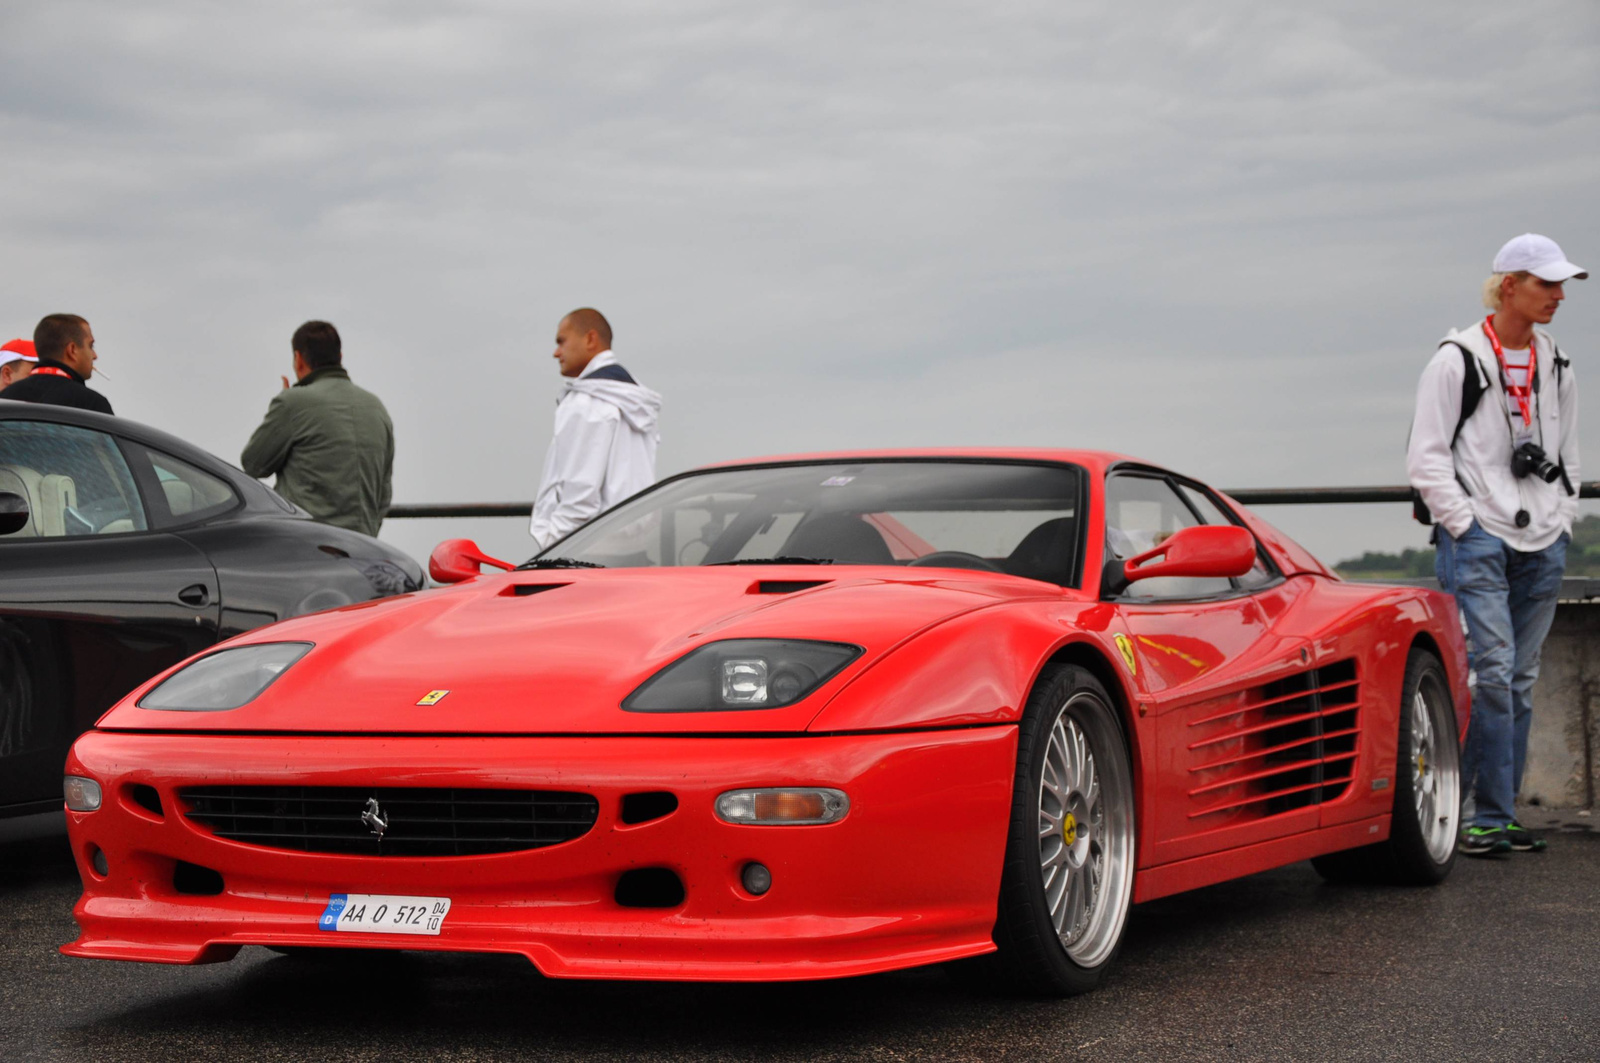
(1249, 496)
(461, 509)
(1297, 496)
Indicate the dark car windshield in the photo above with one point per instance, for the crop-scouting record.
(1016, 518)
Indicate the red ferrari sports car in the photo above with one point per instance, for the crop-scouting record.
(792, 718)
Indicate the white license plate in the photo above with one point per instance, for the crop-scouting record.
(379, 913)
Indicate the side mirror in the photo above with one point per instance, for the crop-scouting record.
(455, 560)
(13, 513)
(1207, 550)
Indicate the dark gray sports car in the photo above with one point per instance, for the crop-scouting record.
(124, 550)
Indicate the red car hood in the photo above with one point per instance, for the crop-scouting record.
(561, 660)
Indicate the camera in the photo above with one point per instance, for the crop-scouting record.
(1531, 460)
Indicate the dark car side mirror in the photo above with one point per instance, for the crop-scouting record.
(13, 513)
(1206, 551)
(455, 560)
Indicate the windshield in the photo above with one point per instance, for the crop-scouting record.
(1014, 518)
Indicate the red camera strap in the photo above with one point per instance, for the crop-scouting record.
(1523, 393)
(50, 370)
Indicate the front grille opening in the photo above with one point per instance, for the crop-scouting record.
(642, 808)
(408, 821)
(649, 887)
(195, 880)
(146, 797)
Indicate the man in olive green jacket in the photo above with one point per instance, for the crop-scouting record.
(330, 443)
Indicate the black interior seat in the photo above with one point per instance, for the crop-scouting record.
(1045, 553)
(843, 537)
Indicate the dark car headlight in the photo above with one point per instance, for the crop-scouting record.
(226, 679)
(742, 674)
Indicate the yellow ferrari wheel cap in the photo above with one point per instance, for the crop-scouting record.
(1069, 830)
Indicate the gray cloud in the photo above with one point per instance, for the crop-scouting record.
(1222, 236)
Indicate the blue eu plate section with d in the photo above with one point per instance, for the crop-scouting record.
(330, 915)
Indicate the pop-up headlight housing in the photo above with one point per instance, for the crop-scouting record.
(742, 674)
(226, 679)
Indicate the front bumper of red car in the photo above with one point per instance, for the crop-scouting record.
(909, 876)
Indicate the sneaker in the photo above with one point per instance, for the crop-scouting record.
(1522, 839)
(1484, 841)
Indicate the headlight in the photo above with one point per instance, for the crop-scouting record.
(226, 679)
(742, 674)
(83, 795)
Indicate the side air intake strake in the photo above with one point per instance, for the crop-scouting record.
(1278, 747)
(390, 821)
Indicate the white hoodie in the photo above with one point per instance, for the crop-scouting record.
(1482, 454)
(604, 450)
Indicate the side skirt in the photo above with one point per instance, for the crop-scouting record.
(1208, 870)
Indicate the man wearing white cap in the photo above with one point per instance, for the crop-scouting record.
(16, 361)
(1494, 457)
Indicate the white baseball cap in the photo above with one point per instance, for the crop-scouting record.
(1538, 255)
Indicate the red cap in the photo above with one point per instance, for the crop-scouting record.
(15, 349)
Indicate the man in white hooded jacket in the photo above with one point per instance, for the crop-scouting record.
(604, 448)
(1494, 456)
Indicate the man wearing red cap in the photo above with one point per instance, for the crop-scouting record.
(1494, 456)
(65, 346)
(16, 361)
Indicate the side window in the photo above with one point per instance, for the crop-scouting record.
(188, 494)
(1260, 574)
(1141, 513)
(74, 480)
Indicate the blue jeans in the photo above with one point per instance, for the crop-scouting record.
(1509, 600)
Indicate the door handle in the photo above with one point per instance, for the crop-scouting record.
(194, 594)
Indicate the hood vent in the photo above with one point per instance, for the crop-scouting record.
(522, 590)
(786, 586)
(1279, 747)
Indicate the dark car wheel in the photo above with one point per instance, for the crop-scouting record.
(1068, 877)
(1427, 791)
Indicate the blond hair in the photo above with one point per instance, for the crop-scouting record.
(1492, 287)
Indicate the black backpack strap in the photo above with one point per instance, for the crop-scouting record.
(1471, 388)
(1471, 394)
(1561, 363)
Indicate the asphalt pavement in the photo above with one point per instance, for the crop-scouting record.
(1502, 962)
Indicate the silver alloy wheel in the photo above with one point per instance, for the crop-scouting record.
(1086, 830)
(1435, 775)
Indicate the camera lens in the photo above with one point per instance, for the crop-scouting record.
(1530, 460)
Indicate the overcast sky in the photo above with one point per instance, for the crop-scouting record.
(1220, 236)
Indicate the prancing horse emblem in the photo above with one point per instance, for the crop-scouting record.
(374, 819)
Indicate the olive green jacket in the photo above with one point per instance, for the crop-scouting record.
(331, 445)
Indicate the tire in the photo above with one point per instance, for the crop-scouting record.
(1067, 883)
(1421, 848)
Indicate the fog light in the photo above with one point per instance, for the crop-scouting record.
(787, 806)
(756, 878)
(83, 795)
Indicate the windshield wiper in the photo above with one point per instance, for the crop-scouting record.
(776, 561)
(557, 562)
